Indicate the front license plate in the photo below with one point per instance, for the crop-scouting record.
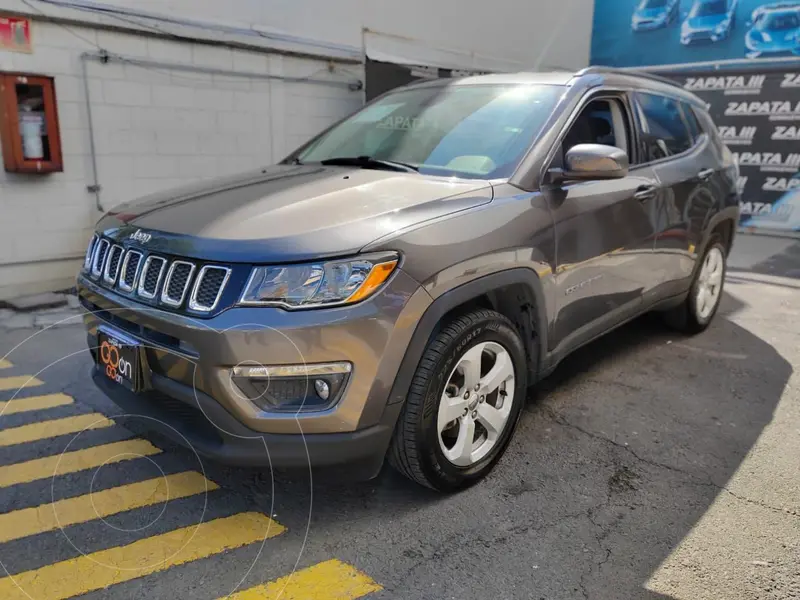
(118, 358)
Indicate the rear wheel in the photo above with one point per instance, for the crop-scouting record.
(464, 402)
(700, 306)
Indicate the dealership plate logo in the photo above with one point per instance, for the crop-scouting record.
(737, 136)
(730, 85)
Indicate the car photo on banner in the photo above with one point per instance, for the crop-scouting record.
(775, 30)
(708, 20)
(652, 14)
(629, 33)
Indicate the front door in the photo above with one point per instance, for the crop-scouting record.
(604, 233)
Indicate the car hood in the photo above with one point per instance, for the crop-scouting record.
(644, 14)
(776, 40)
(705, 23)
(289, 212)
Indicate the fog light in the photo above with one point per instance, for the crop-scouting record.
(293, 388)
(323, 390)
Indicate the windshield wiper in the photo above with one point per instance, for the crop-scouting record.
(368, 162)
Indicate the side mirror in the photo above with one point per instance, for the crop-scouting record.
(586, 162)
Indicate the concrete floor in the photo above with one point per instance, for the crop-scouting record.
(648, 466)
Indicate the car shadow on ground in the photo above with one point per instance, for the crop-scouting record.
(618, 455)
(783, 263)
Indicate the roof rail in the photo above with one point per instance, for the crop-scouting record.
(635, 72)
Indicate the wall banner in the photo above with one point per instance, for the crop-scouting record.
(743, 58)
(758, 116)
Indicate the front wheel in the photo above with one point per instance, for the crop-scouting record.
(464, 403)
(700, 306)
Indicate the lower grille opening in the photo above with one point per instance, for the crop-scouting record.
(140, 331)
(184, 414)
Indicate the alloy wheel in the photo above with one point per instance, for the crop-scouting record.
(476, 404)
(709, 283)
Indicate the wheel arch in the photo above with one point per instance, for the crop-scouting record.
(516, 293)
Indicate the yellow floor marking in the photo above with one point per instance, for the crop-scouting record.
(17, 382)
(72, 462)
(329, 580)
(5, 364)
(101, 569)
(48, 429)
(13, 407)
(47, 517)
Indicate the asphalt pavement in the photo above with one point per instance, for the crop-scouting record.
(648, 466)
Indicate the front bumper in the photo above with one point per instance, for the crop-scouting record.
(198, 422)
(186, 363)
(647, 25)
(773, 50)
(701, 36)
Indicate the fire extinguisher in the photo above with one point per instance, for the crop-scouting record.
(31, 125)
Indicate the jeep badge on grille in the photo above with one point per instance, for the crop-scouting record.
(140, 236)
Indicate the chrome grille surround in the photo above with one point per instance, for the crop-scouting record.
(173, 282)
(113, 262)
(87, 259)
(203, 304)
(168, 295)
(98, 260)
(124, 280)
(145, 276)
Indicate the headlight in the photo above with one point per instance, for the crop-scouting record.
(319, 284)
(721, 27)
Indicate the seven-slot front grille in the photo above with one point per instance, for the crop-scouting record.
(156, 279)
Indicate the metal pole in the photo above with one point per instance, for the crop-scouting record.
(95, 187)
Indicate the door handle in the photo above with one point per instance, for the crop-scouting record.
(705, 174)
(645, 192)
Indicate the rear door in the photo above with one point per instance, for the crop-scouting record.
(604, 231)
(680, 157)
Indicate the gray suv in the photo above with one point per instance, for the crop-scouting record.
(392, 288)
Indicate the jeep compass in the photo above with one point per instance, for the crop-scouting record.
(392, 288)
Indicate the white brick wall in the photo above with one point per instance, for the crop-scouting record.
(154, 129)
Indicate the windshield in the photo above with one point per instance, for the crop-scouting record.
(779, 21)
(707, 9)
(472, 131)
(653, 4)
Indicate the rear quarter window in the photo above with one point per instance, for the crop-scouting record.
(665, 129)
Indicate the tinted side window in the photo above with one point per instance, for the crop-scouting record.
(695, 128)
(664, 130)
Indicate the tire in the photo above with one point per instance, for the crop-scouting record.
(690, 317)
(418, 447)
